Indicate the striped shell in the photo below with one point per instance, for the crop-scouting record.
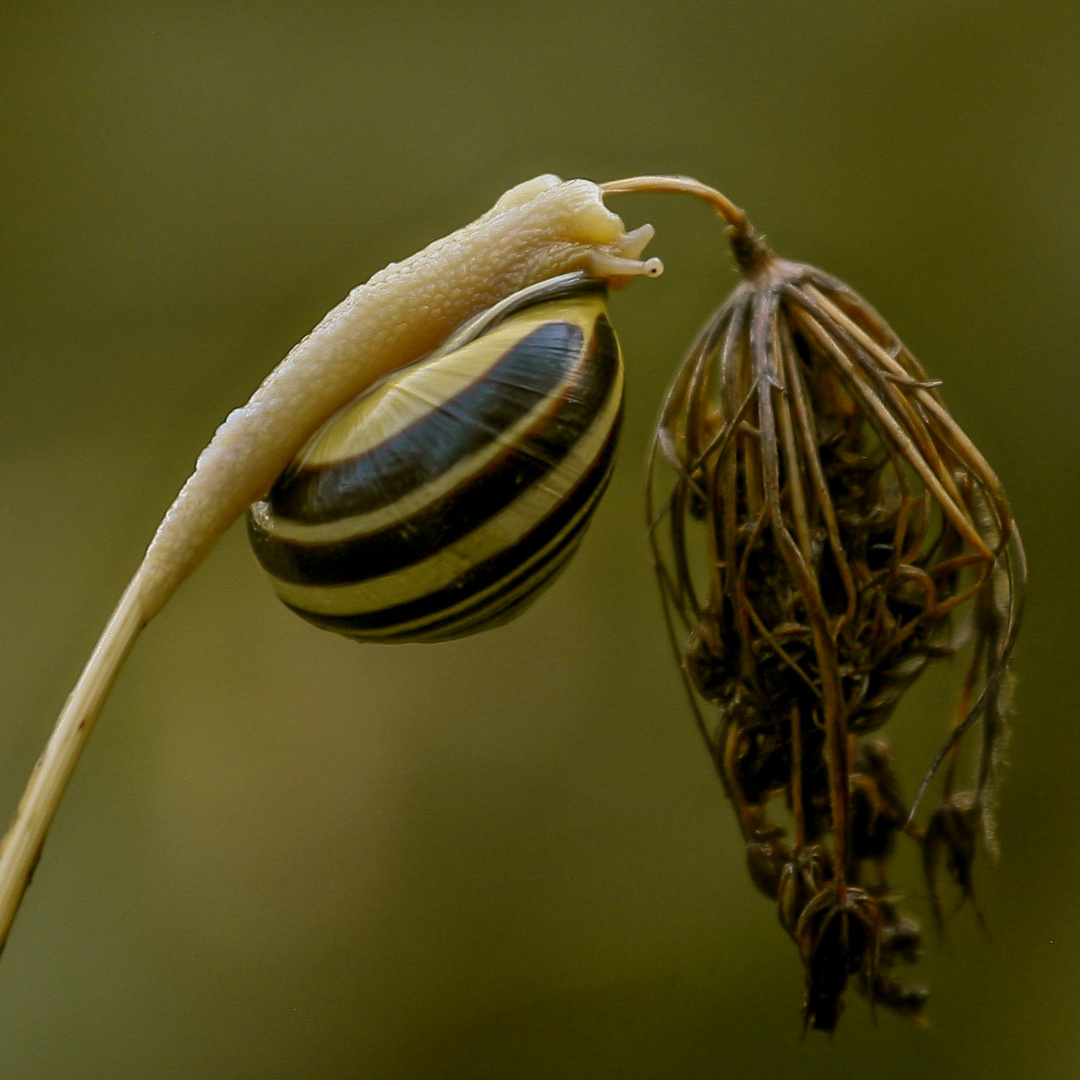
(444, 500)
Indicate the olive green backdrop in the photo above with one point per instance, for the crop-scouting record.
(287, 855)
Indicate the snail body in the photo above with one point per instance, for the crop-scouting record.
(536, 231)
(446, 498)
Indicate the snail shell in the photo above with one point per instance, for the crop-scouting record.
(446, 498)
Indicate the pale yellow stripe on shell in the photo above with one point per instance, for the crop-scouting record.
(442, 569)
(382, 413)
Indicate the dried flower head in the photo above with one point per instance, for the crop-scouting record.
(823, 529)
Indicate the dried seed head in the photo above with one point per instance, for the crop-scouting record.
(823, 522)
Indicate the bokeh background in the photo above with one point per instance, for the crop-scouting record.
(286, 855)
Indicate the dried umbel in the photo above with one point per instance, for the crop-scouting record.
(822, 529)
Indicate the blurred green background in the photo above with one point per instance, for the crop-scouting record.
(286, 855)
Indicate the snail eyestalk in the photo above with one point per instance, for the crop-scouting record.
(621, 267)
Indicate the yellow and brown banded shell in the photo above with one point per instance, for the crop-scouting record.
(445, 499)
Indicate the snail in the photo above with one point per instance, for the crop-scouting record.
(445, 499)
